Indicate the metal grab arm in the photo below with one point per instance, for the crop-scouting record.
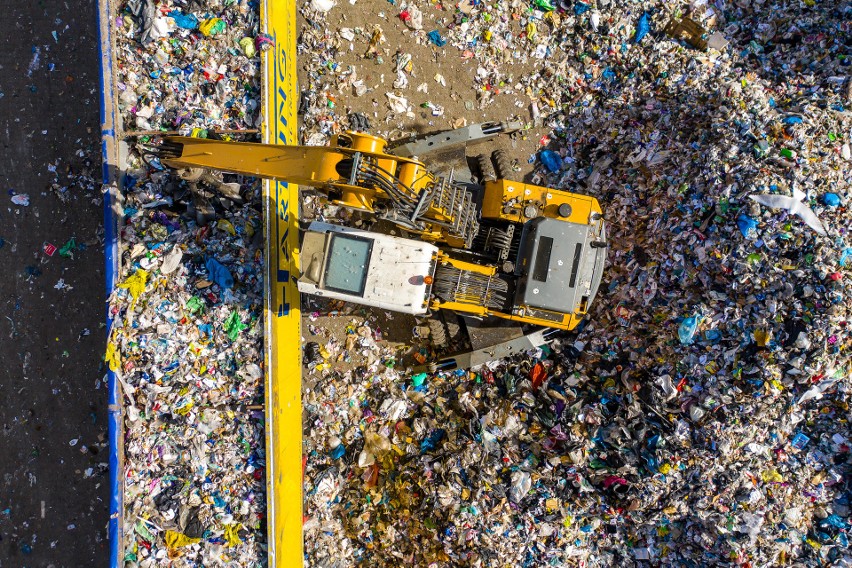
(354, 171)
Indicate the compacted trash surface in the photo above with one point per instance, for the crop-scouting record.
(699, 417)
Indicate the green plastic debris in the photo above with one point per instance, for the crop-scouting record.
(247, 45)
(213, 26)
(68, 248)
(233, 326)
(194, 305)
(418, 379)
(142, 530)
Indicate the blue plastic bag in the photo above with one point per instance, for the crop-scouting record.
(187, 22)
(831, 199)
(337, 452)
(551, 160)
(431, 441)
(800, 441)
(834, 521)
(712, 336)
(747, 225)
(217, 272)
(642, 28)
(687, 329)
(581, 8)
(436, 38)
(418, 379)
(845, 256)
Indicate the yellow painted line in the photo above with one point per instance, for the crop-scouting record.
(282, 317)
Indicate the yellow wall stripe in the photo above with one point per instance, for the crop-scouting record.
(282, 319)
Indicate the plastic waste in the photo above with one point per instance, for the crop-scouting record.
(218, 273)
(436, 38)
(171, 260)
(185, 21)
(703, 130)
(642, 27)
(413, 17)
(831, 199)
(747, 226)
(322, 5)
(687, 330)
(337, 452)
(800, 441)
(212, 26)
(248, 46)
(144, 13)
(551, 160)
(21, 199)
(845, 256)
(431, 441)
(263, 42)
(418, 379)
(233, 326)
(581, 8)
(67, 250)
(521, 485)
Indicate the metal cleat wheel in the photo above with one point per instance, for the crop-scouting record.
(503, 166)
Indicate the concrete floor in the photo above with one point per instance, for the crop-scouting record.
(53, 491)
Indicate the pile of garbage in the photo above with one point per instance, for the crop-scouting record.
(187, 346)
(702, 415)
(189, 64)
(187, 337)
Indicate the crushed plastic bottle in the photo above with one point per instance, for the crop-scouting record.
(687, 329)
(521, 485)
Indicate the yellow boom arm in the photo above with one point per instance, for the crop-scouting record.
(354, 171)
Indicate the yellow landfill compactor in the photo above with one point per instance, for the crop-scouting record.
(481, 246)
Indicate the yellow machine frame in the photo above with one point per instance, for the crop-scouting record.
(383, 177)
(356, 172)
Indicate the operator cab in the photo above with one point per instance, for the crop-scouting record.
(371, 269)
(560, 265)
